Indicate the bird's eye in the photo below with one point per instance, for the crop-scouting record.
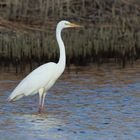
(66, 23)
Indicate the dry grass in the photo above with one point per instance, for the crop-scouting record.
(111, 31)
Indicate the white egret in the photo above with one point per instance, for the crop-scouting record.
(42, 79)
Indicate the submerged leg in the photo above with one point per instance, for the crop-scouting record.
(42, 95)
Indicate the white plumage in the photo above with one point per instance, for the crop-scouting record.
(43, 76)
(42, 79)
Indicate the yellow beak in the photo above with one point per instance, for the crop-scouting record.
(74, 25)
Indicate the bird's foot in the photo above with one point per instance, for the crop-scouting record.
(41, 110)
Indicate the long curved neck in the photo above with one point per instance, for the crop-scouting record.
(62, 58)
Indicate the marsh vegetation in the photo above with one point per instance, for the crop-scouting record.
(111, 32)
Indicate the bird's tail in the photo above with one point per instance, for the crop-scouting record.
(13, 97)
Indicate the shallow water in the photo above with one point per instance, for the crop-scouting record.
(94, 104)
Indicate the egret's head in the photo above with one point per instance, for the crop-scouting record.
(67, 24)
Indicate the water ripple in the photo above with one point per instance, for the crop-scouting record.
(81, 107)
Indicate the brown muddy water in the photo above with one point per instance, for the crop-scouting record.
(93, 104)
